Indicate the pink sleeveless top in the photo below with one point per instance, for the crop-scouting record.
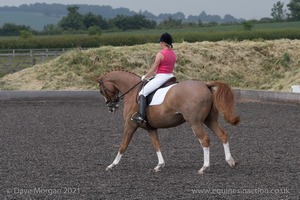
(168, 63)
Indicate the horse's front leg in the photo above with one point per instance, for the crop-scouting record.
(129, 130)
(115, 162)
(156, 145)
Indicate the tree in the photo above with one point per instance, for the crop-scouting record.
(200, 23)
(294, 7)
(277, 11)
(73, 20)
(94, 30)
(135, 22)
(9, 29)
(91, 19)
(248, 25)
(171, 23)
(52, 29)
(25, 34)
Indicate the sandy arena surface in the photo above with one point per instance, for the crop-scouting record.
(59, 149)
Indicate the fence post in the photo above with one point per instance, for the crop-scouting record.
(33, 61)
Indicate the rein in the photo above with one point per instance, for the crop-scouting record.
(121, 97)
(112, 102)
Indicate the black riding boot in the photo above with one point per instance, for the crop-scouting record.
(141, 115)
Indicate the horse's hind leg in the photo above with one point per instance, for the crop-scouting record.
(214, 126)
(199, 132)
(156, 145)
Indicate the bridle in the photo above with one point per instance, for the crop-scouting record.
(112, 102)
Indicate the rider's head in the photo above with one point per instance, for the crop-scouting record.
(166, 38)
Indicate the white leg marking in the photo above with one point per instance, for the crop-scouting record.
(116, 161)
(161, 162)
(228, 156)
(160, 157)
(206, 160)
(227, 151)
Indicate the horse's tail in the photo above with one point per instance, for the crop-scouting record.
(224, 101)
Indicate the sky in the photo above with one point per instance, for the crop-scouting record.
(247, 9)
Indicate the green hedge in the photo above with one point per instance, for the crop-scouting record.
(129, 39)
(37, 42)
(239, 35)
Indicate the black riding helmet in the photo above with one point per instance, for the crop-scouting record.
(166, 38)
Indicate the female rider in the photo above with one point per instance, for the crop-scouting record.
(162, 70)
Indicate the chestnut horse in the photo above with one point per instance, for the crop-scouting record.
(205, 101)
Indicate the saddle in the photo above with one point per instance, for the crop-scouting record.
(169, 82)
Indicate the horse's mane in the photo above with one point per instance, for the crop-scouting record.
(121, 70)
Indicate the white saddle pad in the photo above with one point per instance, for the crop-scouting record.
(159, 95)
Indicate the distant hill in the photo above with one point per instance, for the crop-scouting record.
(40, 14)
(35, 20)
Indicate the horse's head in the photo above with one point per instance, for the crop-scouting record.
(110, 94)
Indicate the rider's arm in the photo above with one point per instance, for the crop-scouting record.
(158, 58)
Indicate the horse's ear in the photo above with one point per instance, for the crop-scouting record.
(97, 79)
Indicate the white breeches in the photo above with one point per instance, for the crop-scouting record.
(155, 83)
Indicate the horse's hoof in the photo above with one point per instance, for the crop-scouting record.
(234, 166)
(158, 168)
(109, 167)
(232, 163)
(201, 171)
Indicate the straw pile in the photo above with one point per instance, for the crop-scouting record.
(267, 65)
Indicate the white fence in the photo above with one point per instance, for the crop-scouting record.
(31, 52)
(12, 60)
